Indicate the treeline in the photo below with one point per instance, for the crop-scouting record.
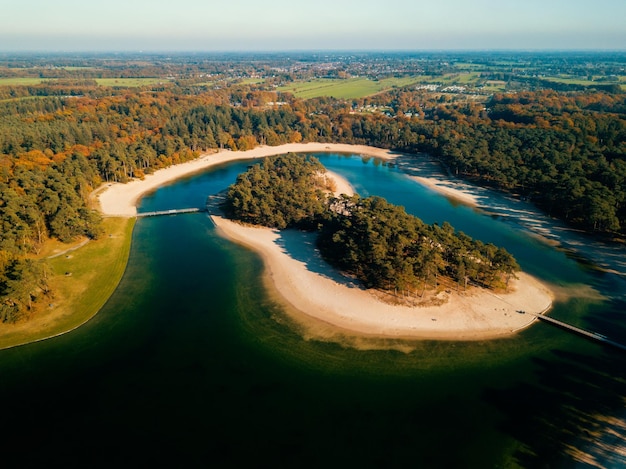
(37, 203)
(377, 242)
(565, 152)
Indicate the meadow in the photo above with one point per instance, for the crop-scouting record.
(130, 82)
(79, 289)
(22, 81)
(576, 80)
(351, 88)
(354, 88)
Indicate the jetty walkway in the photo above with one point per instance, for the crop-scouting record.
(577, 330)
(170, 212)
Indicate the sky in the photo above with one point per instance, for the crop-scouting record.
(283, 25)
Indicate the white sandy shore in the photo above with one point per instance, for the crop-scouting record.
(121, 199)
(449, 189)
(306, 282)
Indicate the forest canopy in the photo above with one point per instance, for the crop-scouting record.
(282, 191)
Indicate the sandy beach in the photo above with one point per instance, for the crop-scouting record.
(309, 285)
(120, 200)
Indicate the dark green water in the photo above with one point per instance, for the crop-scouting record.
(190, 364)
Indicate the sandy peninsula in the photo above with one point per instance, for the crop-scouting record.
(309, 285)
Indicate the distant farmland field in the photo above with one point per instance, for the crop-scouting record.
(109, 82)
(17, 81)
(346, 89)
(130, 82)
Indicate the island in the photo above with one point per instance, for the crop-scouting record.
(379, 302)
(332, 300)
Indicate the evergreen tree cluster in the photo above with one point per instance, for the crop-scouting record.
(386, 248)
(282, 191)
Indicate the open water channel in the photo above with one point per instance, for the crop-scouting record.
(191, 364)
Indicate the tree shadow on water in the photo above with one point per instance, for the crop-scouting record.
(573, 415)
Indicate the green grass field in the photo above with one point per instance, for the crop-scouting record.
(494, 86)
(346, 89)
(130, 82)
(83, 281)
(361, 87)
(252, 81)
(21, 81)
(571, 81)
(586, 82)
(108, 82)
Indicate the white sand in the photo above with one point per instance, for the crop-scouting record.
(121, 199)
(447, 188)
(307, 283)
(311, 286)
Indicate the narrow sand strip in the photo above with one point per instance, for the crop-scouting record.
(121, 199)
(306, 282)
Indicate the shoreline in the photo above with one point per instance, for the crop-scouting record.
(327, 296)
(120, 200)
(322, 293)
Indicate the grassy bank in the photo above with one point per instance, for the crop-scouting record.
(83, 281)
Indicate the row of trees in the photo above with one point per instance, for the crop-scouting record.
(377, 242)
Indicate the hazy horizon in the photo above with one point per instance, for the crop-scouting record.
(279, 25)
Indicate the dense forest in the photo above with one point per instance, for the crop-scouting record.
(282, 191)
(377, 242)
(59, 141)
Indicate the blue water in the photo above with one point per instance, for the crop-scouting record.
(191, 364)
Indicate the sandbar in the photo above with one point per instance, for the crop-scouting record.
(305, 282)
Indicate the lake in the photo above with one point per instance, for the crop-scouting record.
(192, 364)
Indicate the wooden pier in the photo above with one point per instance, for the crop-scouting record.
(170, 212)
(583, 332)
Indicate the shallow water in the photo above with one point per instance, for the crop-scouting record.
(191, 363)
